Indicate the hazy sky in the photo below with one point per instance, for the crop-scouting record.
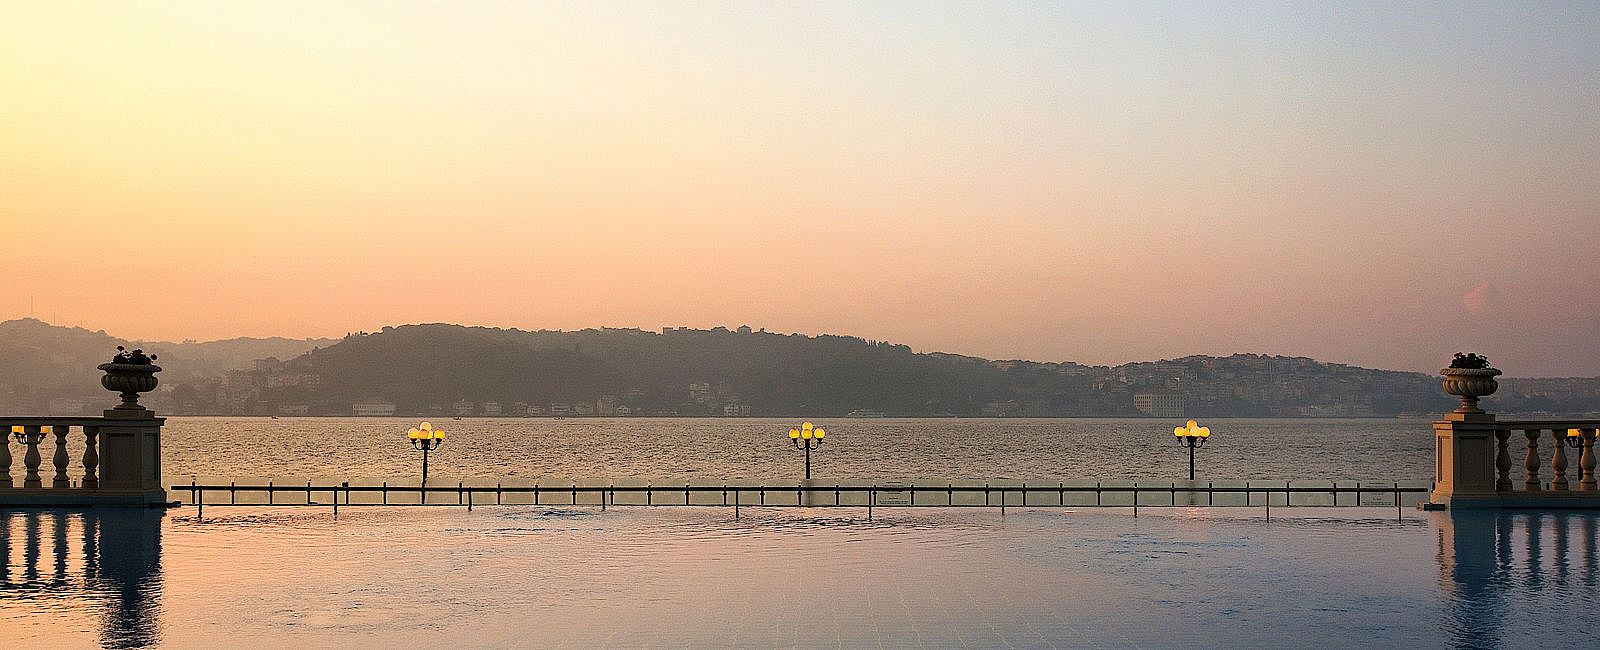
(1381, 185)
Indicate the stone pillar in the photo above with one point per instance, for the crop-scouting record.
(130, 454)
(1532, 462)
(1465, 458)
(1502, 461)
(59, 459)
(1464, 453)
(31, 459)
(91, 458)
(1558, 461)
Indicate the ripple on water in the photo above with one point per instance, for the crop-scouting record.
(695, 576)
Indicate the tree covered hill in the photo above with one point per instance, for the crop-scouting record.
(442, 369)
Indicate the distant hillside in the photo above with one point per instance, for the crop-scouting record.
(448, 369)
(44, 361)
(441, 369)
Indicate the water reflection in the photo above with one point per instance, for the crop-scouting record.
(113, 566)
(1497, 567)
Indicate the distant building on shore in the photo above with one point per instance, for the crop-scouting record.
(372, 408)
(1161, 405)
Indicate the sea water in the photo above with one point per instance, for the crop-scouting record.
(855, 448)
(578, 576)
(523, 576)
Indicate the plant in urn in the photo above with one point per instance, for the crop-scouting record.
(1470, 377)
(130, 373)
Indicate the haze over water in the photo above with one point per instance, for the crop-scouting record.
(1102, 182)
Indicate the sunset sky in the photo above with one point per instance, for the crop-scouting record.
(1379, 185)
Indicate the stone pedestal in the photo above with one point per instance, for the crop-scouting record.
(130, 453)
(1464, 456)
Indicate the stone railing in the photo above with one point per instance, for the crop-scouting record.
(1473, 454)
(119, 459)
(1557, 433)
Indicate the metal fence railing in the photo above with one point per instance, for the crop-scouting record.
(867, 494)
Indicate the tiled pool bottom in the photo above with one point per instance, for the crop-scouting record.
(520, 576)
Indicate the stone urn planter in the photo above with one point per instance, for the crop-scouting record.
(1469, 384)
(130, 379)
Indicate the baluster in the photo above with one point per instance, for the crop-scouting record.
(1586, 461)
(1558, 462)
(60, 458)
(1502, 463)
(30, 460)
(1532, 462)
(91, 459)
(5, 458)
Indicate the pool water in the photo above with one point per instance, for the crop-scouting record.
(527, 576)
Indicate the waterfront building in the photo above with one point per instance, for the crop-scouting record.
(372, 408)
(1161, 405)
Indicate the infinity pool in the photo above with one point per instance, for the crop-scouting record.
(524, 576)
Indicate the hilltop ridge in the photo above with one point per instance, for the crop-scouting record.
(443, 369)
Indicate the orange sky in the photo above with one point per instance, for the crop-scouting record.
(1090, 182)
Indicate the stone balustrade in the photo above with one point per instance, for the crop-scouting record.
(1472, 452)
(1555, 434)
(1475, 463)
(119, 459)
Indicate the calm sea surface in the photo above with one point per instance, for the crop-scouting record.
(577, 577)
(627, 577)
(729, 448)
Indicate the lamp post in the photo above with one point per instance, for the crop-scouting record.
(806, 437)
(427, 439)
(1192, 436)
